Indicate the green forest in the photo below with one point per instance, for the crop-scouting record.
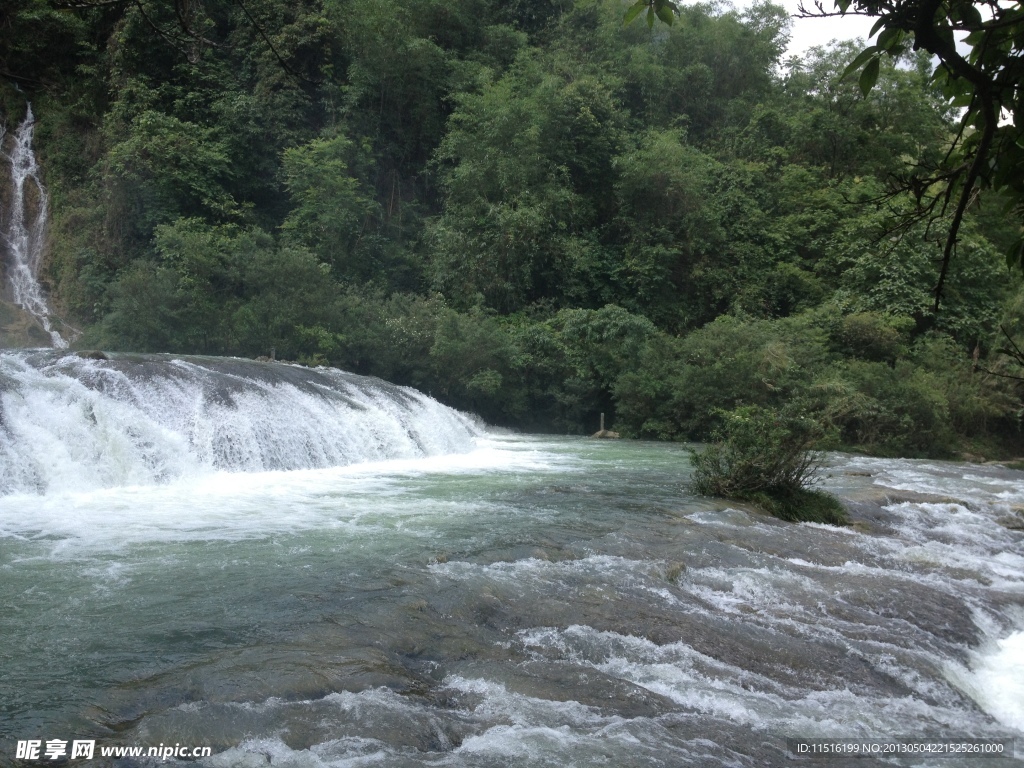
(526, 209)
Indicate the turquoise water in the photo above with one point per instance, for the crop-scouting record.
(528, 601)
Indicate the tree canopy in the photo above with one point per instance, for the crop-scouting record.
(983, 82)
(978, 51)
(531, 210)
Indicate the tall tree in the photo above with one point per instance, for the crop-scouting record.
(984, 82)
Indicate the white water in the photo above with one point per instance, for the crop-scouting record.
(521, 601)
(998, 678)
(69, 425)
(23, 234)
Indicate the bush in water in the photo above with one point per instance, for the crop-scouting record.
(764, 456)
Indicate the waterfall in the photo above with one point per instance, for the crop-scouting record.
(25, 227)
(73, 424)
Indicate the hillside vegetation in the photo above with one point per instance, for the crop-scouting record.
(524, 209)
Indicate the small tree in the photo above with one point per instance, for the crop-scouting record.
(765, 457)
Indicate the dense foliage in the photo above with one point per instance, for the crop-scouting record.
(766, 457)
(525, 209)
(978, 52)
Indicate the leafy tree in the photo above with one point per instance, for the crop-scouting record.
(679, 389)
(33, 30)
(765, 457)
(526, 168)
(598, 347)
(172, 169)
(874, 271)
(900, 124)
(143, 312)
(984, 82)
(223, 289)
(475, 362)
(331, 205)
(691, 231)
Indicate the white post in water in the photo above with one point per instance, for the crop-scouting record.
(602, 422)
(24, 240)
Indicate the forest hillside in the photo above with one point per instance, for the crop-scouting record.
(525, 209)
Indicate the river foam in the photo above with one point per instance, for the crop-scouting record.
(236, 506)
(529, 601)
(69, 424)
(994, 676)
(999, 678)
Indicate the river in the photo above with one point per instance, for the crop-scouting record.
(451, 595)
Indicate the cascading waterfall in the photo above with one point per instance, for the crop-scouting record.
(71, 424)
(24, 230)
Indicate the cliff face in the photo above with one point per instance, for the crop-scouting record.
(20, 329)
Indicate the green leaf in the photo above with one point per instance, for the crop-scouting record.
(974, 38)
(842, 5)
(878, 25)
(869, 76)
(889, 38)
(1015, 256)
(633, 11)
(969, 15)
(650, 18)
(664, 12)
(858, 62)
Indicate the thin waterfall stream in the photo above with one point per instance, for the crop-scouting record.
(302, 567)
(24, 226)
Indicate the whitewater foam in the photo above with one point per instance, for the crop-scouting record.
(705, 685)
(999, 678)
(236, 506)
(69, 425)
(994, 675)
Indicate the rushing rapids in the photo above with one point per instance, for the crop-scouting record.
(69, 423)
(523, 601)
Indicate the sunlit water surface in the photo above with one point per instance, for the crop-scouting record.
(532, 602)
